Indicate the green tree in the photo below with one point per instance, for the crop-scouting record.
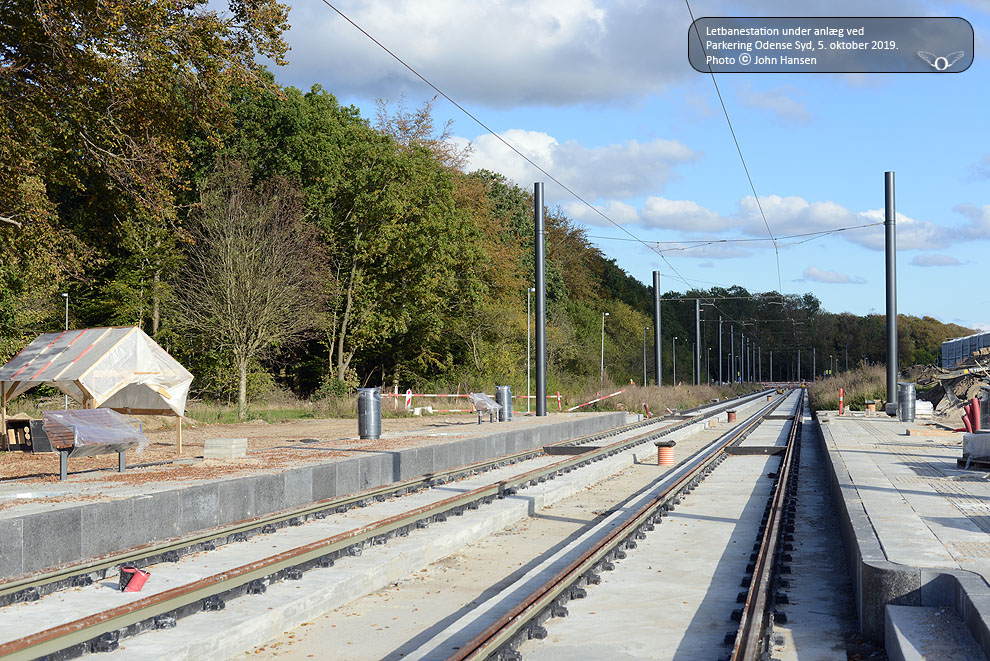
(250, 285)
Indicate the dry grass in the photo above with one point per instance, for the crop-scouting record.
(858, 385)
(660, 399)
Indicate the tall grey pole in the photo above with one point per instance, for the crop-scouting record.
(732, 355)
(529, 343)
(720, 381)
(541, 303)
(697, 342)
(890, 247)
(799, 366)
(771, 366)
(645, 328)
(814, 363)
(759, 357)
(847, 357)
(657, 346)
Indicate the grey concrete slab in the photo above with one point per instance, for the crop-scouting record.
(298, 486)
(325, 481)
(349, 476)
(157, 516)
(199, 507)
(269, 492)
(914, 526)
(373, 471)
(109, 525)
(11, 547)
(52, 538)
(920, 633)
(236, 499)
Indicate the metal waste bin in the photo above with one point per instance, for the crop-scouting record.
(905, 402)
(503, 397)
(369, 413)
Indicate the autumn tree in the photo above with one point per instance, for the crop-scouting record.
(250, 284)
(99, 100)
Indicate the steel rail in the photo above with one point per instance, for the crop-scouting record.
(31, 586)
(86, 629)
(510, 626)
(750, 639)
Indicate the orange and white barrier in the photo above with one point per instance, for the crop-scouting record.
(598, 399)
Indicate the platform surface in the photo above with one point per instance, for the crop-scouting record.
(925, 511)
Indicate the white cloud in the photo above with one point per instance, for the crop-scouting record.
(501, 54)
(934, 259)
(981, 169)
(517, 52)
(780, 101)
(977, 221)
(608, 172)
(814, 274)
(683, 215)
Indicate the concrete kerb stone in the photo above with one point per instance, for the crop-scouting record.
(877, 582)
(40, 540)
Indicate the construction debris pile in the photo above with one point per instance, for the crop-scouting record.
(949, 390)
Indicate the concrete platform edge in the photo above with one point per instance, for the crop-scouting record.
(878, 582)
(74, 532)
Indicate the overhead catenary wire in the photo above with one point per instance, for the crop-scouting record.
(735, 140)
(510, 146)
(700, 243)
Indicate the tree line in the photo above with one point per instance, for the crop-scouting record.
(273, 237)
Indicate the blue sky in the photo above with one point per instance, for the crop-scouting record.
(601, 94)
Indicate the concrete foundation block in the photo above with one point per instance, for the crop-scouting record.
(918, 633)
(236, 498)
(298, 486)
(11, 547)
(199, 507)
(109, 524)
(52, 538)
(348, 476)
(324, 481)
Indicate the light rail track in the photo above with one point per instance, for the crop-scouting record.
(102, 631)
(756, 619)
(525, 620)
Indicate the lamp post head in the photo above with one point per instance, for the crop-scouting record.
(605, 314)
(532, 290)
(65, 294)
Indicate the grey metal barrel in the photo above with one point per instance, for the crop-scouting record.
(369, 413)
(503, 396)
(905, 402)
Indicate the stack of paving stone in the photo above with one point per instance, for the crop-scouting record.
(225, 448)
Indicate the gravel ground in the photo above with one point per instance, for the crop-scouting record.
(271, 447)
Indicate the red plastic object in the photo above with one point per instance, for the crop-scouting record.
(967, 419)
(974, 413)
(840, 401)
(136, 580)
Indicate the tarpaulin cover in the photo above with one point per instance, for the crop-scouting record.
(118, 368)
(96, 431)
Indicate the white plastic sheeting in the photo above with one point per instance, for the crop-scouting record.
(116, 368)
(96, 434)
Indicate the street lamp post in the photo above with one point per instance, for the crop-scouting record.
(645, 328)
(529, 293)
(602, 379)
(673, 355)
(65, 295)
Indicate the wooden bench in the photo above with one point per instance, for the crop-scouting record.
(89, 433)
